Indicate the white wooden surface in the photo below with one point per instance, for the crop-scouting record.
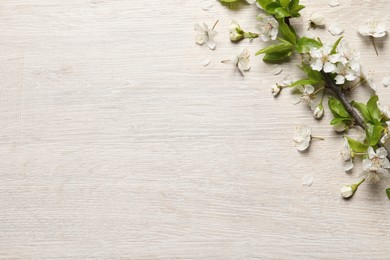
(117, 144)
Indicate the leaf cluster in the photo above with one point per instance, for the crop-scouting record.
(281, 8)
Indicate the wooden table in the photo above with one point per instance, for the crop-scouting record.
(116, 143)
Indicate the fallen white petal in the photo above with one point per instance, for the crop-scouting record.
(333, 3)
(277, 69)
(205, 62)
(336, 29)
(206, 5)
(386, 81)
(307, 180)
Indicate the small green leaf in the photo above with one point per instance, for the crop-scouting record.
(335, 45)
(287, 32)
(337, 108)
(276, 48)
(312, 74)
(271, 7)
(281, 12)
(277, 56)
(264, 3)
(295, 10)
(303, 82)
(374, 134)
(293, 4)
(372, 107)
(357, 146)
(305, 44)
(339, 120)
(284, 3)
(388, 192)
(362, 108)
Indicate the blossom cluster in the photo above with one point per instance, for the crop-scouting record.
(330, 69)
(343, 62)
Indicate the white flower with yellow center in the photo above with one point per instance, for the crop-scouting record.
(304, 94)
(376, 163)
(322, 59)
(241, 61)
(373, 28)
(302, 137)
(268, 27)
(205, 35)
(346, 155)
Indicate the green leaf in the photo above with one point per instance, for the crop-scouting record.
(356, 146)
(303, 82)
(374, 133)
(312, 74)
(337, 108)
(388, 192)
(284, 3)
(287, 32)
(295, 10)
(362, 108)
(271, 7)
(305, 44)
(281, 12)
(264, 3)
(228, 1)
(339, 120)
(335, 45)
(293, 4)
(276, 48)
(372, 107)
(277, 56)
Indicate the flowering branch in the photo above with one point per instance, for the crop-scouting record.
(341, 96)
(331, 70)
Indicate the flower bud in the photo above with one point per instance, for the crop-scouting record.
(349, 190)
(318, 112)
(236, 33)
(317, 19)
(276, 90)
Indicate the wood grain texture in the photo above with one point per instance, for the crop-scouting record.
(117, 144)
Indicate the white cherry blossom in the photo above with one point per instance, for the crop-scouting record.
(376, 163)
(384, 109)
(302, 137)
(304, 94)
(242, 61)
(205, 35)
(268, 27)
(373, 28)
(346, 155)
(322, 59)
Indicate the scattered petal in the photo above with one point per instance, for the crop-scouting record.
(205, 62)
(386, 81)
(206, 5)
(333, 3)
(336, 29)
(307, 180)
(277, 69)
